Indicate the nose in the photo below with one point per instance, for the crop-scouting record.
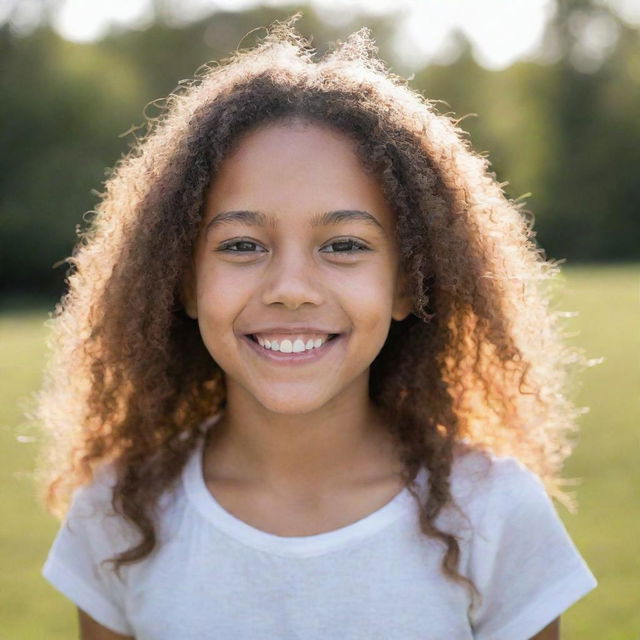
(292, 279)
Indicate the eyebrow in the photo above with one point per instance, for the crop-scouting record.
(259, 219)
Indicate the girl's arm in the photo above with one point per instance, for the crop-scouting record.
(550, 632)
(92, 630)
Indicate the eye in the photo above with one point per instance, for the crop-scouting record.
(352, 246)
(244, 246)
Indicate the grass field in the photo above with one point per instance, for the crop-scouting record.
(606, 528)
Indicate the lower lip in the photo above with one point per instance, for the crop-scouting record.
(293, 358)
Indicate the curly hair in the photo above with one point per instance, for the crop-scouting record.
(480, 362)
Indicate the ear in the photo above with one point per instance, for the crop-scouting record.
(403, 300)
(188, 295)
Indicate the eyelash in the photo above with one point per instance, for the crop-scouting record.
(360, 246)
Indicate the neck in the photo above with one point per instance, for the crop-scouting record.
(318, 450)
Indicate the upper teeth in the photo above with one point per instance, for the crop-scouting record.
(295, 344)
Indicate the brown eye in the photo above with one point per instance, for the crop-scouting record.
(348, 246)
(243, 246)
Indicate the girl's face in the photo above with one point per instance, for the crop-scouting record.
(297, 242)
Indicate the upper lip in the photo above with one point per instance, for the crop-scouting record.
(291, 329)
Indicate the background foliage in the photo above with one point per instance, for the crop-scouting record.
(569, 137)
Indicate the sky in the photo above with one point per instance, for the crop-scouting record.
(500, 31)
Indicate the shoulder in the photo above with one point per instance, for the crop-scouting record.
(97, 494)
(489, 488)
(91, 513)
(519, 554)
(92, 509)
(476, 473)
(95, 497)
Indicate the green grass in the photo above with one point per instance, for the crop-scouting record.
(606, 528)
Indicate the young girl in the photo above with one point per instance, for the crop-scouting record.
(306, 382)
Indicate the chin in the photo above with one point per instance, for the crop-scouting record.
(285, 406)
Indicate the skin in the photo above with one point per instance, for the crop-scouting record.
(300, 449)
(296, 438)
(92, 630)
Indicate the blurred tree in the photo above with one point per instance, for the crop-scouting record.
(565, 130)
(592, 196)
(67, 109)
(62, 106)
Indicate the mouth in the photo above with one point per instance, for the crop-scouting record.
(254, 337)
(292, 357)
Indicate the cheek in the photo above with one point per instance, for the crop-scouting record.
(220, 290)
(220, 301)
(369, 306)
(370, 291)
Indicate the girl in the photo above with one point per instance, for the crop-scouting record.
(305, 378)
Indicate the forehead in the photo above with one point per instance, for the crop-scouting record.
(296, 170)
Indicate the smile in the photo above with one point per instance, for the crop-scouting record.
(292, 352)
(292, 343)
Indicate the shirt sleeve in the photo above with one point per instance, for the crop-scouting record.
(523, 562)
(89, 535)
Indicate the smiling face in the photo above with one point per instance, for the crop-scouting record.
(297, 242)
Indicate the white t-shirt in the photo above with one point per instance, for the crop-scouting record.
(214, 576)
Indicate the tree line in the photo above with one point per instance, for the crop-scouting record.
(565, 139)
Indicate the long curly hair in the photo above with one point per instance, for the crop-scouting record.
(480, 361)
